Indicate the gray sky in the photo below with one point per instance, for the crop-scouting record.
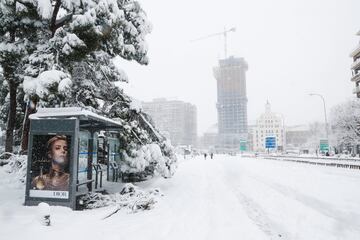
(293, 47)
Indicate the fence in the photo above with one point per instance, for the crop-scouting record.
(350, 163)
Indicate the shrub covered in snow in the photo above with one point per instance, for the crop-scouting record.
(130, 198)
(17, 165)
(148, 157)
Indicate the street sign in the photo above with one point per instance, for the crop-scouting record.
(324, 145)
(270, 142)
(243, 145)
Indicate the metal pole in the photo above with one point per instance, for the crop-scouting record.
(283, 131)
(90, 159)
(225, 44)
(326, 123)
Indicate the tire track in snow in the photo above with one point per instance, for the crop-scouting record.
(259, 217)
(253, 210)
(193, 219)
(344, 221)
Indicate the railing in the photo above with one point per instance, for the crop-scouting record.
(98, 173)
(83, 183)
(115, 170)
(322, 161)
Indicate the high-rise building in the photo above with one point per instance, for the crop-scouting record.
(175, 119)
(268, 124)
(231, 103)
(355, 68)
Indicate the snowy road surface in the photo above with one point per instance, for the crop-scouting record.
(223, 198)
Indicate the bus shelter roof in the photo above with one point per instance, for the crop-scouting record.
(88, 119)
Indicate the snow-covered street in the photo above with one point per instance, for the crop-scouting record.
(227, 197)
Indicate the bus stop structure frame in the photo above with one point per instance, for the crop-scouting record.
(68, 121)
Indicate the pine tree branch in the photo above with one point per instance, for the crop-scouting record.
(136, 136)
(109, 215)
(61, 22)
(158, 136)
(93, 68)
(26, 4)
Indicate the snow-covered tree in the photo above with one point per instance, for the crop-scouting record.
(18, 36)
(69, 62)
(345, 123)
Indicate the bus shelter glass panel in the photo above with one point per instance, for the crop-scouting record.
(114, 159)
(114, 149)
(95, 150)
(83, 155)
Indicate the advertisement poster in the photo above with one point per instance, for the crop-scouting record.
(50, 175)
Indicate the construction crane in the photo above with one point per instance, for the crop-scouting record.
(225, 32)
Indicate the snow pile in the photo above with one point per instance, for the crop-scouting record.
(130, 198)
(44, 214)
(17, 167)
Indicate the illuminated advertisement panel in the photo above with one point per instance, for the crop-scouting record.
(50, 175)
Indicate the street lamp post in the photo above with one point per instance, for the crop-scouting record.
(283, 130)
(326, 123)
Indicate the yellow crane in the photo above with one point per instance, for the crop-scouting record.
(224, 33)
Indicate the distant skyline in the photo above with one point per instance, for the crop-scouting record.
(293, 48)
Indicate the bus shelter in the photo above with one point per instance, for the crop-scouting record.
(67, 150)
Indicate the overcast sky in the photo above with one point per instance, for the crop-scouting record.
(293, 48)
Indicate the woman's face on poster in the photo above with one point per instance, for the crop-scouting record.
(59, 152)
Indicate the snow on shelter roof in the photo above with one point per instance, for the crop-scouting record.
(86, 117)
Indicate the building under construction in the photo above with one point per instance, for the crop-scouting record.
(231, 103)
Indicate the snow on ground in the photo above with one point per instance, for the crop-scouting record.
(227, 197)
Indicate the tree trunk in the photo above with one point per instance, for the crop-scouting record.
(9, 76)
(30, 109)
(11, 117)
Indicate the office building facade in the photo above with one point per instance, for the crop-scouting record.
(268, 124)
(355, 68)
(176, 120)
